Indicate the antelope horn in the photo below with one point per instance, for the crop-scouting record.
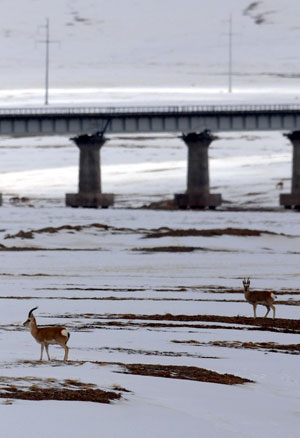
(29, 314)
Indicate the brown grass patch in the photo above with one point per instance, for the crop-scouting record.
(119, 388)
(277, 324)
(269, 346)
(38, 248)
(184, 373)
(155, 353)
(190, 342)
(207, 233)
(23, 235)
(272, 347)
(179, 249)
(169, 321)
(168, 249)
(69, 228)
(167, 371)
(148, 233)
(119, 325)
(34, 389)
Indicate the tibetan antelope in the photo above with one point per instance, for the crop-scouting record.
(264, 298)
(48, 335)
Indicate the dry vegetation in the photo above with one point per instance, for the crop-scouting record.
(271, 347)
(183, 372)
(148, 233)
(35, 389)
(207, 233)
(265, 324)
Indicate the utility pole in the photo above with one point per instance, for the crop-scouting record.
(47, 43)
(230, 55)
(47, 63)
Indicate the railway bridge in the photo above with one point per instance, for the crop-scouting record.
(199, 123)
(81, 120)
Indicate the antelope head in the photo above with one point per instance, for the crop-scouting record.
(30, 317)
(246, 284)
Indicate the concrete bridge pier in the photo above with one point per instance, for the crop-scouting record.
(289, 200)
(89, 194)
(198, 194)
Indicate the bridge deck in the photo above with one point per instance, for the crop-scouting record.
(159, 119)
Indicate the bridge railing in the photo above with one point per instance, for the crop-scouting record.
(166, 109)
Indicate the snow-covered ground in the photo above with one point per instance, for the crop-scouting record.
(88, 278)
(133, 52)
(244, 167)
(64, 284)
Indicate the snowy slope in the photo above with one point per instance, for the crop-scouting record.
(105, 279)
(111, 43)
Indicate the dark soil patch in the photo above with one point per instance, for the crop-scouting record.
(51, 389)
(116, 289)
(189, 342)
(16, 248)
(288, 303)
(278, 324)
(203, 289)
(37, 394)
(184, 373)
(155, 353)
(148, 233)
(71, 229)
(167, 204)
(179, 249)
(118, 325)
(272, 347)
(208, 233)
(36, 248)
(113, 298)
(125, 321)
(293, 324)
(167, 371)
(30, 234)
(222, 290)
(269, 346)
(23, 235)
(169, 249)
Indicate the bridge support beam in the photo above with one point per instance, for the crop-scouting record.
(198, 194)
(89, 194)
(289, 200)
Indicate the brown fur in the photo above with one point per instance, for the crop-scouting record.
(47, 335)
(264, 298)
